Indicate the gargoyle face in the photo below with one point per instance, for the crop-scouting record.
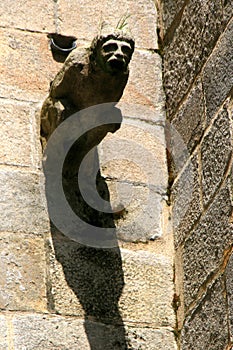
(116, 55)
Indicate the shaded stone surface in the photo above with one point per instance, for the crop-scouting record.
(22, 272)
(229, 284)
(170, 10)
(218, 73)
(186, 200)
(23, 208)
(103, 284)
(216, 150)
(193, 41)
(204, 249)
(190, 119)
(227, 10)
(206, 327)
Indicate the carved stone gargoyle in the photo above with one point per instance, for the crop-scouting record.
(89, 77)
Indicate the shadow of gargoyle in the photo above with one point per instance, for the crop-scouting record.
(89, 77)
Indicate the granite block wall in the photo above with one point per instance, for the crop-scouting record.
(196, 44)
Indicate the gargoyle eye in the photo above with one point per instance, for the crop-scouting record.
(111, 47)
(126, 50)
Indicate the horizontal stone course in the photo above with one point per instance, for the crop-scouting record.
(111, 284)
(66, 333)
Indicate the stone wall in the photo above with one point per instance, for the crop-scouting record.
(55, 293)
(197, 43)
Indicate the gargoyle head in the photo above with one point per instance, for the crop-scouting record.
(112, 52)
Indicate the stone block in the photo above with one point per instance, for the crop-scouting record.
(192, 43)
(204, 250)
(22, 204)
(136, 154)
(23, 272)
(3, 333)
(16, 121)
(216, 149)
(218, 73)
(189, 122)
(109, 285)
(144, 87)
(89, 16)
(206, 327)
(31, 15)
(186, 199)
(26, 65)
(138, 211)
(148, 291)
(229, 283)
(56, 332)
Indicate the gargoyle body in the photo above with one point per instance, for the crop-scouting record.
(89, 77)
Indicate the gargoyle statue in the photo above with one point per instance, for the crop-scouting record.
(88, 77)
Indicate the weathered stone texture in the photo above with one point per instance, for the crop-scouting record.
(31, 15)
(141, 21)
(193, 41)
(139, 147)
(56, 332)
(141, 219)
(218, 73)
(144, 86)
(3, 333)
(170, 10)
(186, 198)
(150, 277)
(16, 146)
(22, 272)
(204, 249)
(23, 207)
(190, 119)
(24, 63)
(227, 10)
(216, 150)
(206, 327)
(229, 283)
(94, 282)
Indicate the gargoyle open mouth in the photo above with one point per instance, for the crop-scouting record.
(117, 65)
